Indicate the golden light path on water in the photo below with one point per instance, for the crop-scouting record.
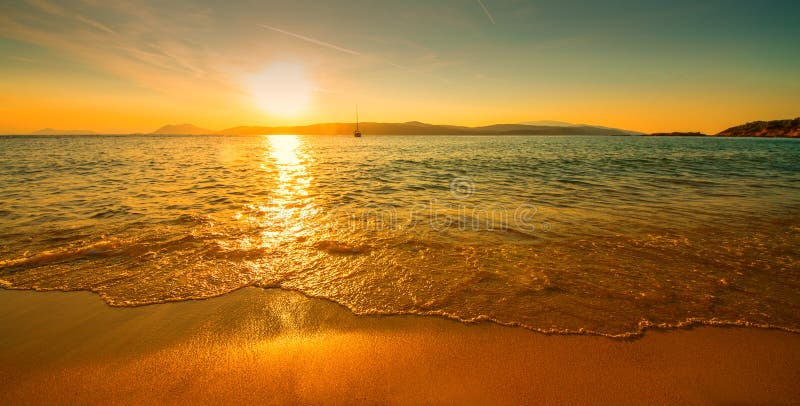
(288, 208)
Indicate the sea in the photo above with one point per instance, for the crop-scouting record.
(559, 234)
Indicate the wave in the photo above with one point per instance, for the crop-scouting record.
(101, 248)
(642, 327)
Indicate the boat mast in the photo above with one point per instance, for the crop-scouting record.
(356, 117)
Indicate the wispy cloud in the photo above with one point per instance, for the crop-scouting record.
(56, 10)
(138, 47)
(45, 6)
(21, 59)
(331, 46)
(313, 41)
(93, 23)
(486, 10)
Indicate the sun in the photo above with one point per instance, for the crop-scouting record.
(282, 89)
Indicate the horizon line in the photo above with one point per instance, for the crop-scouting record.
(534, 123)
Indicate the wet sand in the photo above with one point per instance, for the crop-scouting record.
(273, 346)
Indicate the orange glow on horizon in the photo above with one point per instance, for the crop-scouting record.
(116, 68)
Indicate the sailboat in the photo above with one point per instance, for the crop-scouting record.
(357, 132)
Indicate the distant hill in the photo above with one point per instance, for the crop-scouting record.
(182, 129)
(51, 131)
(678, 134)
(418, 128)
(550, 123)
(776, 128)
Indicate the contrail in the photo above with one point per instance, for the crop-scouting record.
(486, 10)
(314, 41)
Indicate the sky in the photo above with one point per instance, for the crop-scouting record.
(121, 67)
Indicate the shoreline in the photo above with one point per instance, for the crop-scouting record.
(275, 346)
(687, 324)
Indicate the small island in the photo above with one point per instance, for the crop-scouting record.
(767, 129)
(774, 129)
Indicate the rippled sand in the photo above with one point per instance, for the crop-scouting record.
(272, 346)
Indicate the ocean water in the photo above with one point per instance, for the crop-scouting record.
(563, 234)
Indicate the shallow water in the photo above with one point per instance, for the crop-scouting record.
(564, 234)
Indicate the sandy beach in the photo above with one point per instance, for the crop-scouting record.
(274, 346)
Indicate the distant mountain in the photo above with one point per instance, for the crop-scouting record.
(418, 128)
(549, 123)
(51, 131)
(776, 128)
(618, 130)
(182, 129)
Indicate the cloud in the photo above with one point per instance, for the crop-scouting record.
(93, 23)
(486, 10)
(56, 10)
(133, 43)
(180, 49)
(21, 59)
(331, 46)
(45, 6)
(313, 41)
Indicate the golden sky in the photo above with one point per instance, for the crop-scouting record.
(647, 66)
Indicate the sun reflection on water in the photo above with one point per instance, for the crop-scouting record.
(289, 207)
